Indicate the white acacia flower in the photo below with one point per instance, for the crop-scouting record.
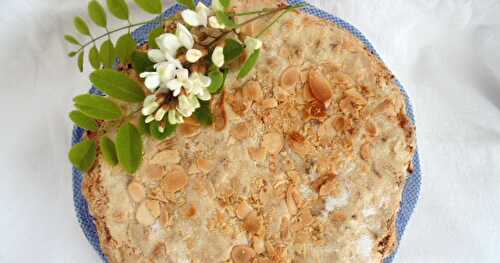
(218, 57)
(187, 105)
(164, 72)
(184, 36)
(252, 44)
(197, 85)
(174, 117)
(152, 80)
(193, 55)
(160, 113)
(175, 85)
(198, 17)
(168, 44)
(214, 23)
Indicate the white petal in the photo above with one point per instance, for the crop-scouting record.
(149, 119)
(184, 107)
(203, 12)
(214, 23)
(217, 6)
(218, 57)
(184, 36)
(166, 71)
(253, 43)
(193, 55)
(149, 109)
(168, 43)
(149, 99)
(191, 18)
(194, 102)
(205, 81)
(175, 86)
(156, 55)
(152, 81)
(204, 95)
(182, 74)
(160, 113)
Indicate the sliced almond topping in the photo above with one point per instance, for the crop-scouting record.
(136, 191)
(219, 112)
(252, 224)
(298, 143)
(190, 128)
(338, 217)
(240, 131)
(155, 172)
(175, 180)
(272, 142)
(290, 202)
(330, 188)
(243, 210)
(119, 216)
(386, 107)
(290, 77)
(252, 91)
(319, 87)
(258, 245)
(371, 128)
(154, 207)
(144, 216)
(365, 151)
(166, 157)
(269, 103)
(242, 254)
(297, 198)
(318, 183)
(315, 110)
(285, 228)
(238, 104)
(191, 212)
(205, 165)
(257, 154)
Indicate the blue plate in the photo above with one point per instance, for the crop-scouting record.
(411, 191)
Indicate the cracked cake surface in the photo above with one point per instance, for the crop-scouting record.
(306, 162)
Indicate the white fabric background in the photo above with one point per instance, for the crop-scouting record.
(445, 52)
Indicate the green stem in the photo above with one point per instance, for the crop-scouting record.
(265, 10)
(271, 24)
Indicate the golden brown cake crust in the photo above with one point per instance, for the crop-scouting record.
(306, 162)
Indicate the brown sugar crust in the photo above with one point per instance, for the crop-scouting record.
(306, 162)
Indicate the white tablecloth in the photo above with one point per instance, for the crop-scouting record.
(445, 52)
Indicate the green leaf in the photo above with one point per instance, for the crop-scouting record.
(143, 126)
(150, 6)
(94, 59)
(81, 26)
(232, 49)
(117, 85)
(106, 54)
(83, 121)
(154, 129)
(141, 62)
(188, 3)
(125, 46)
(119, 9)
(80, 60)
(72, 54)
(152, 37)
(225, 3)
(97, 13)
(217, 80)
(129, 147)
(250, 64)
(108, 150)
(204, 114)
(225, 19)
(72, 40)
(97, 107)
(83, 155)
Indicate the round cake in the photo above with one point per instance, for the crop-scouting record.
(306, 161)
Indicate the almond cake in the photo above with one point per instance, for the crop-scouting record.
(306, 162)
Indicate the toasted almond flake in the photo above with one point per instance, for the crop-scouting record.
(144, 216)
(365, 151)
(315, 110)
(319, 87)
(219, 112)
(190, 128)
(252, 223)
(297, 198)
(319, 182)
(242, 254)
(119, 216)
(272, 142)
(371, 128)
(290, 77)
(175, 180)
(166, 157)
(290, 203)
(252, 91)
(136, 191)
(299, 144)
(385, 107)
(240, 131)
(243, 210)
(205, 165)
(154, 207)
(191, 212)
(330, 188)
(285, 228)
(269, 103)
(338, 217)
(155, 172)
(257, 154)
(165, 219)
(258, 245)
